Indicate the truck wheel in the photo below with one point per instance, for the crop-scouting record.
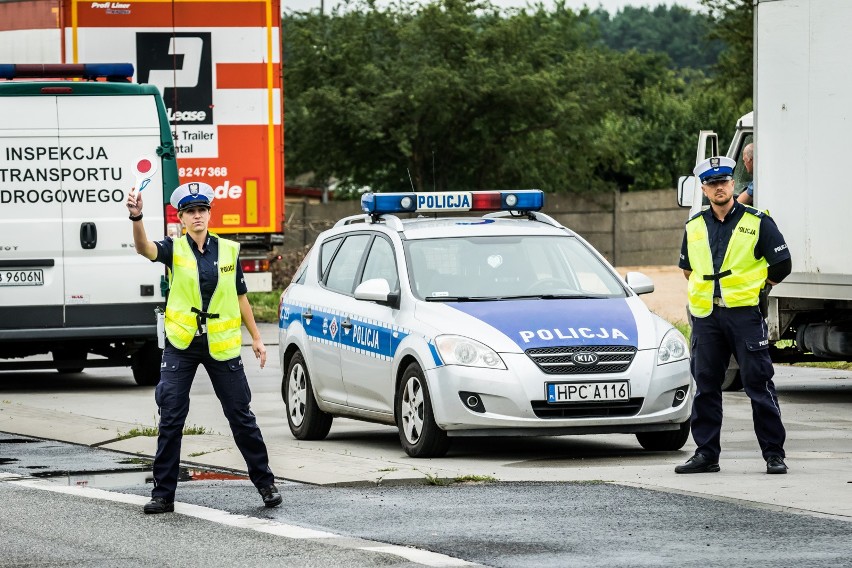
(306, 420)
(668, 441)
(420, 435)
(733, 381)
(145, 364)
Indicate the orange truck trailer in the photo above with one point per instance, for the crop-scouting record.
(217, 64)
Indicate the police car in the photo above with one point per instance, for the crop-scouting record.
(503, 324)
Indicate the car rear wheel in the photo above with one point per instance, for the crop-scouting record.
(306, 420)
(420, 435)
(668, 441)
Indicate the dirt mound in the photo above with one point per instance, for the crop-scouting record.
(668, 300)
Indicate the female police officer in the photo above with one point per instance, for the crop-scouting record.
(207, 301)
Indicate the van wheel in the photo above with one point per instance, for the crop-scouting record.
(420, 435)
(668, 441)
(306, 420)
(145, 364)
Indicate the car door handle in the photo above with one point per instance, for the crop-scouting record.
(346, 324)
(88, 235)
(308, 315)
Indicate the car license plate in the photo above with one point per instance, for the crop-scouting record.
(22, 277)
(587, 392)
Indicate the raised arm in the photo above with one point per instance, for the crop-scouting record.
(140, 240)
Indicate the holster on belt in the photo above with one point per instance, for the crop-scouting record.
(201, 320)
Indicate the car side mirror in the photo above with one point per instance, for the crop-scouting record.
(685, 189)
(639, 283)
(377, 290)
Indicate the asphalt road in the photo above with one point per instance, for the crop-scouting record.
(591, 524)
(550, 506)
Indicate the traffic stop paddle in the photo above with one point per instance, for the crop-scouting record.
(144, 167)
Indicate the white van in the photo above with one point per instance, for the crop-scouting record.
(71, 283)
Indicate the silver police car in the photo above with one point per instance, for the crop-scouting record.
(501, 324)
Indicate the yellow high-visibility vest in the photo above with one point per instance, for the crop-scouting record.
(223, 333)
(741, 276)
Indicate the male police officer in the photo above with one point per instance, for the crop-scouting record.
(732, 254)
(207, 301)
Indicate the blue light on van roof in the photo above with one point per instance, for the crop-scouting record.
(66, 70)
(414, 202)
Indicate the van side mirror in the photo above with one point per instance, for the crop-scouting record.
(685, 187)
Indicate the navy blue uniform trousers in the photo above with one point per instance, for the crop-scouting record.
(743, 332)
(172, 396)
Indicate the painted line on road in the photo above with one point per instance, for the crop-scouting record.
(420, 556)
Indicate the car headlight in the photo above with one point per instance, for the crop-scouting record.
(673, 348)
(458, 350)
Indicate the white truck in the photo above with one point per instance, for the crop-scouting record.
(802, 112)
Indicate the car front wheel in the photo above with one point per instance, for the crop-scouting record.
(306, 420)
(420, 435)
(668, 441)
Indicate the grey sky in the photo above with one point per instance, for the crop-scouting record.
(611, 6)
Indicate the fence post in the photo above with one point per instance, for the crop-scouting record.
(616, 227)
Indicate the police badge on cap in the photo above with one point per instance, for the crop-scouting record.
(717, 168)
(192, 194)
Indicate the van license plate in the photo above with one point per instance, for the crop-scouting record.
(587, 392)
(22, 277)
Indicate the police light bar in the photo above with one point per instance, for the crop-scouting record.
(89, 71)
(413, 202)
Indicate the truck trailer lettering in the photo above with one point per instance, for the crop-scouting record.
(186, 115)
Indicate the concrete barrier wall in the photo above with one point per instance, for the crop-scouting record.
(629, 229)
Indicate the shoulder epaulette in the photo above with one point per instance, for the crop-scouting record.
(756, 212)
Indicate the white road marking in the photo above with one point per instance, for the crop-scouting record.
(417, 555)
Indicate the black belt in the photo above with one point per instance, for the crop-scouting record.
(718, 275)
(200, 318)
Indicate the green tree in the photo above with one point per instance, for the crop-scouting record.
(733, 24)
(683, 35)
(457, 94)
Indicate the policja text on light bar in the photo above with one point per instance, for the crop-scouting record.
(414, 202)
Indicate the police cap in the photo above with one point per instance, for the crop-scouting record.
(192, 194)
(717, 168)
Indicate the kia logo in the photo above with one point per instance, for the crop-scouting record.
(585, 358)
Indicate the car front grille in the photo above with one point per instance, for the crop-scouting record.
(560, 360)
(587, 409)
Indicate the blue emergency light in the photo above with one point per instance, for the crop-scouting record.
(414, 202)
(90, 71)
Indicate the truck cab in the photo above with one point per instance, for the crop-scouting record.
(689, 188)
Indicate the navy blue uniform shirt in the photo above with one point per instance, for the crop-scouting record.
(770, 244)
(208, 265)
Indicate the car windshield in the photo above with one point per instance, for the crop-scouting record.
(508, 267)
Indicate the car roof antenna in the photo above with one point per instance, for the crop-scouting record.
(409, 179)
